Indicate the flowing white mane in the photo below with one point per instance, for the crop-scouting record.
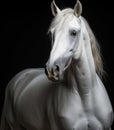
(67, 14)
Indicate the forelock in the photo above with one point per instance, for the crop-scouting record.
(62, 17)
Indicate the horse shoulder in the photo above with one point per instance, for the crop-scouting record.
(15, 88)
(20, 81)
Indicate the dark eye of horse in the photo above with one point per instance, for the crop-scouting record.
(73, 33)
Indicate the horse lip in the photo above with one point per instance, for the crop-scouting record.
(53, 78)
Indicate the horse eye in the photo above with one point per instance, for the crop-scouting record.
(73, 33)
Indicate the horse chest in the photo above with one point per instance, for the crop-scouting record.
(66, 111)
(65, 108)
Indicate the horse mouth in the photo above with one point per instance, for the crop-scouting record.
(51, 76)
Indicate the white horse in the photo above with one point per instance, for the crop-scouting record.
(73, 96)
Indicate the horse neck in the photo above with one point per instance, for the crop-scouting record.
(82, 71)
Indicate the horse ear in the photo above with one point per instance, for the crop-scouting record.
(55, 10)
(78, 8)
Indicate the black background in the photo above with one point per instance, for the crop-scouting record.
(24, 42)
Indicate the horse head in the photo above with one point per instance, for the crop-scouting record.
(65, 32)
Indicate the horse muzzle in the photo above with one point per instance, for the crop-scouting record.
(55, 70)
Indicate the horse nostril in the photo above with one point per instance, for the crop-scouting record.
(57, 68)
(71, 50)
